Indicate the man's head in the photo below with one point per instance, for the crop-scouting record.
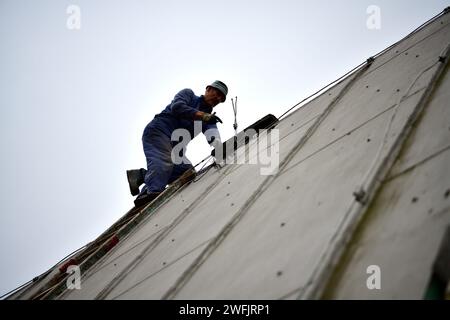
(215, 93)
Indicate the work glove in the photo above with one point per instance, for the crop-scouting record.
(207, 117)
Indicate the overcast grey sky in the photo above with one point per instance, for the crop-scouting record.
(74, 102)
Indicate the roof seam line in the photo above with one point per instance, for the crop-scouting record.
(121, 229)
(409, 48)
(352, 130)
(254, 141)
(114, 282)
(338, 139)
(417, 164)
(93, 271)
(346, 228)
(161, 269)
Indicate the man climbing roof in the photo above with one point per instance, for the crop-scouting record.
(185, 109)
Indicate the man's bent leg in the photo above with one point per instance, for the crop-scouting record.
(180, 169)
(157, 149)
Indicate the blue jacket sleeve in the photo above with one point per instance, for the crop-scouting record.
(181, 104)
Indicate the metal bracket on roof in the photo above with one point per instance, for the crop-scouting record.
(370, 60)
(360, 196)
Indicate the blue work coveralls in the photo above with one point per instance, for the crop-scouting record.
(157, 143)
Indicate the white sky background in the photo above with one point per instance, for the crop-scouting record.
(74, 103)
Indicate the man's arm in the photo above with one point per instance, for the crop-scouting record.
(180, 107)
(181, 104)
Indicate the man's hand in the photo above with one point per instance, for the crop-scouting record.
(211, 118)
(207, 117)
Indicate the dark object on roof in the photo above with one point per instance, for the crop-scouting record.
(243, 137)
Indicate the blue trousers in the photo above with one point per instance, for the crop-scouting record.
(160, 168)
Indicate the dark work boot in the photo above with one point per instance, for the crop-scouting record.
(135, 179)
(145, 198)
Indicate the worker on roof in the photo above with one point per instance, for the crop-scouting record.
(185, 109)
